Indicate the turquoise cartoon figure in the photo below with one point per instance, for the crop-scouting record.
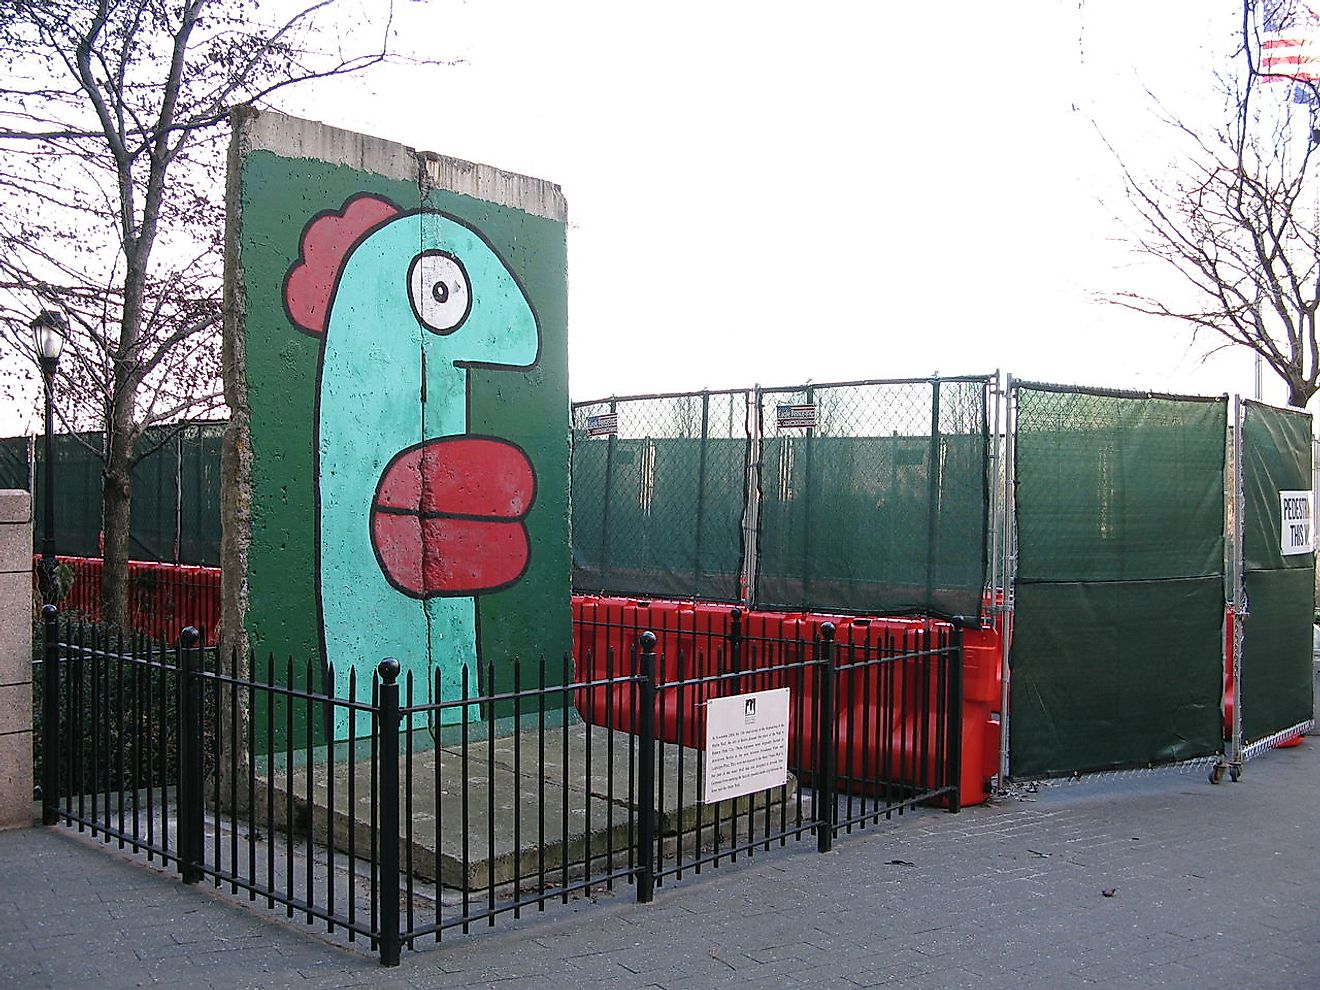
(415, 515)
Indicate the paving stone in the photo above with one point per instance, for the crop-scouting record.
(1212, 890)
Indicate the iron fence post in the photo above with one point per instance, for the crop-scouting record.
(825, 719)
(50, 717)
(387, 732)
(954, 729)
(646, 772)
(191, 788)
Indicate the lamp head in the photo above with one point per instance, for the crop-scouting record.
(48, 334)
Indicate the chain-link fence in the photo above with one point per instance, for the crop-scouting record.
(175, 513)
(857, 497)
(880, 503)
(659, 489)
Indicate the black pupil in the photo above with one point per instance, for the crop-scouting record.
(440, 292)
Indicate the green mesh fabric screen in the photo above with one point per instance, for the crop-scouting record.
(199, 493)
(77, 494)
(175, 513)
(881, 505)
(14, 468)
(658, 492)
(1276, 691)
(155, 508)
(1117, 642)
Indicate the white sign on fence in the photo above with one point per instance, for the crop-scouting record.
(1296, 529)
(795, 416)
(604, 425)
(746, 744)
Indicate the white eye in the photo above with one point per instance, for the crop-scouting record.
(438, 290)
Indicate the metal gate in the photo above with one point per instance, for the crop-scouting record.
(1159, 613)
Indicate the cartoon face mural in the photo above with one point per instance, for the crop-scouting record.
(415, 516)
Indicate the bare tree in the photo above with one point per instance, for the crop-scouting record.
(1237, 215)
(113, 117)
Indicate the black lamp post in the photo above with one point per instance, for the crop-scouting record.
(48, 336)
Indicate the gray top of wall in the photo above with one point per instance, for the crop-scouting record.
(293, 137)
(15, 506)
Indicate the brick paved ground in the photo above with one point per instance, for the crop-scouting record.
(1211, 888)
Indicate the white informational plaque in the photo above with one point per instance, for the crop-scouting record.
(1296, 533)
(746, 744)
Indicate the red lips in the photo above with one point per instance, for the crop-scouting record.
(448, 516)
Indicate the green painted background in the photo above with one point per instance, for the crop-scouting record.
(278, 197)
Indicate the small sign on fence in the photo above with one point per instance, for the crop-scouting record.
(801, 416)
(1296, 529)
(603, 425)
(746, 744)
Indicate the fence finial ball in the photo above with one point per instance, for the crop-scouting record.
(827, 631)
(648, 642)
(190, 637)
(389, 670)
(49, 611)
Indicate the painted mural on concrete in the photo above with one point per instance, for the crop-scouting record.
(404, 393)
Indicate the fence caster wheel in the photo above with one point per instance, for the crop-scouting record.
(1217, 774)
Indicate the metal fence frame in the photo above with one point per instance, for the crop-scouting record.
(1005, 528)
(1237, 750)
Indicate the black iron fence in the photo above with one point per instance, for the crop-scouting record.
(457, 807)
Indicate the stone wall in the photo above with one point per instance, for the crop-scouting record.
(15, 659)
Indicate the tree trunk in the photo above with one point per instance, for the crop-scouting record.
(117, 501)
(1299, 394)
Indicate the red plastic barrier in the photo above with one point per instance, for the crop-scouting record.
(606, 634)
(162, 598)
(695, 639)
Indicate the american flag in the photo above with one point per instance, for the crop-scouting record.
(1290, 49)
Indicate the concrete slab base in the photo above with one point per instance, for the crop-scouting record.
(517, 811)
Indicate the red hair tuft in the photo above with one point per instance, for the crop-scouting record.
(326, 241)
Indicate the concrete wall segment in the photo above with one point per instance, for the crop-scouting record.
(15, 556)
(15, 589)
(494, 185)
(15, 659)
(236, 451)
(16, 709)
(16, 626)
(15, 506)
(317, 369)
(16, 780)
(293, 137)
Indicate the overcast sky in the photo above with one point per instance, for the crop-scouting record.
(766, 193)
